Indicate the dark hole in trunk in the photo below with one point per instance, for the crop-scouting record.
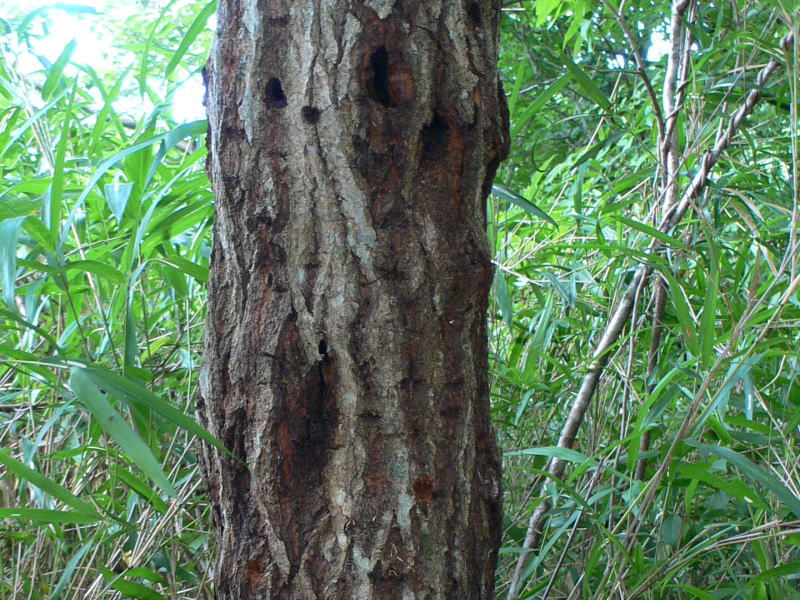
(434, 138)
(275, 98)
(379, 77)
(310, 114)
(475, 14)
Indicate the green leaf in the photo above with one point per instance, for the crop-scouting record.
(503, 298)
(198, 25)
(144, 65)
(139, 486)
(13, 316)
(110, 420)
(9, 232)
(129, 589)
(108, 109)
(586, 83)
(187, 129)
(681, 305)
(52, 212)
(521, 121)
(69, 569)
(37, 116)
(693, 591)
(117, 196)
(564, 454)
(735, 488)
(653, 232)
(35, 228)
(46, 485)
(17, 207)
(526, 205)
(48, 516)
(143, 573)
(792, 568)
(708, 320)
(753, 471)
(595, 150)
(129, 391)
(100, 269)
(171, 138)
(187, 267)
(54, 73)
(671, 530)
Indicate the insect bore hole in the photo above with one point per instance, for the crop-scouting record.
(310, 114)
(379, 76)
(475, 14)
(275, 98)
(434, 137)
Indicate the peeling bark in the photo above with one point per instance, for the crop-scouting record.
(352, 147)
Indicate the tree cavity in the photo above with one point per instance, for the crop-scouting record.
(434, 138)
(274, 96)
(378, 77)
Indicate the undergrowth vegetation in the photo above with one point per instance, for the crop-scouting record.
(682, 480)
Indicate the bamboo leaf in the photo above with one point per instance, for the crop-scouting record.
(564, 454)
(69, 569)
(48, 516)
(54, 72)
(653, 232)
(47, 485)
(503, 298)
(131, 392)
(110, 420)
(9, 232)
(197, 26)
(753, 471)
(791, 568)
(586, 83)
(526, 205)
(117, 196)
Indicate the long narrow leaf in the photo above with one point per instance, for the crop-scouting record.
(198, 25)
(526, 205)
(755, 472)
(47, 485)
(118, 429)
(127, 390)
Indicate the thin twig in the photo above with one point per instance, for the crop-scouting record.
(640, 65)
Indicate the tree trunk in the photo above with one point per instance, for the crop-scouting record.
(352, 147)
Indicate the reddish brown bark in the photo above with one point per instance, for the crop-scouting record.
(352, 146)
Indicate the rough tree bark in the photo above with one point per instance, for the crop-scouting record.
(352, 147)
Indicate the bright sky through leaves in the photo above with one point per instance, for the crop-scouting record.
(95, 48)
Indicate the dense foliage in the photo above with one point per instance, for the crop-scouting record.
(683, 480)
